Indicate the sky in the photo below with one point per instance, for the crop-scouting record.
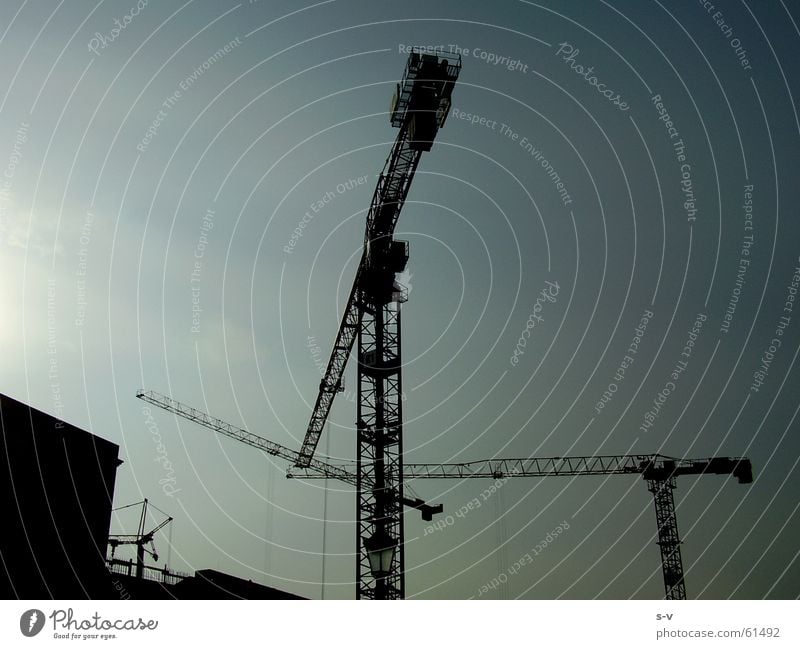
(183, 194)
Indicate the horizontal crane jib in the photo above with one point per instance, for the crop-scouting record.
(318, 468)
(650, 467)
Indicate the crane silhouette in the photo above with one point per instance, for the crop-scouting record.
(141, 539)
(660, 472)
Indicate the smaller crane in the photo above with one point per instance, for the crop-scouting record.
(141, 539)
(658, 471)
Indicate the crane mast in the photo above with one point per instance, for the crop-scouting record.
(669, 541)
(372, 315)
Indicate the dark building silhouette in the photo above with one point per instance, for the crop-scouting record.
(205, 584)
(56, 494)
(56, 490)
(211, 584)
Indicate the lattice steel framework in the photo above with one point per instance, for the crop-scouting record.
(658, 471)
(316, 467)
(372, 314)
(668, 539)
(380, 449)
(422, 102)
(379, 478)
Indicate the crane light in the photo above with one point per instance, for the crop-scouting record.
(380, 549)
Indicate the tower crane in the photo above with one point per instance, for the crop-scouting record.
(141, 539)
(372, 314)
(660, 472)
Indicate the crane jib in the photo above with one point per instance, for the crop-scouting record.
(659, 472)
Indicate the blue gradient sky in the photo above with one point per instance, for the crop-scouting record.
(102, 222)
